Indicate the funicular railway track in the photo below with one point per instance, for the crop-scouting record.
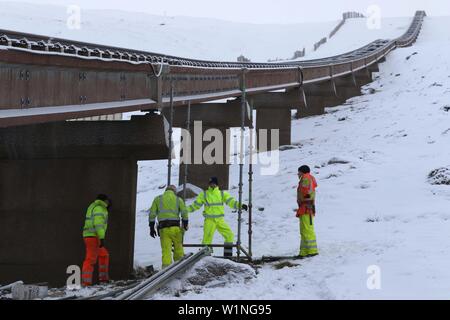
(146, 288)
(93, 80)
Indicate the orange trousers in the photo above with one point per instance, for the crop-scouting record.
(94, 253)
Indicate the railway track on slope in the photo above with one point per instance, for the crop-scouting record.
(45, 79)
(145, 289)
(40, 43)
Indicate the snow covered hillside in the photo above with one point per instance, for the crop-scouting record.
(182, 36)
(355, 33)
(190, 37)
(376, 206)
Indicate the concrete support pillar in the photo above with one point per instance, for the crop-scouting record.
(374, 67)
(347, 87)
(199, 173)
(318, 97)
(315, 106)
(42, 211)
(210, 116)
(50, 173)
(274, 112)
(323, 89)
(363, 77)
(268, 119)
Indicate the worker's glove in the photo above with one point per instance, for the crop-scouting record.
(245, 207)
(152, 230)
(186, 225)
(102, 243)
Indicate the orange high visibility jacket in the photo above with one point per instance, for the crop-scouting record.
(306, 195)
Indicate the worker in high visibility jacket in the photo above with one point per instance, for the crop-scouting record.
(214, 201)
(168, 209)
(306, 196)
(94, 232)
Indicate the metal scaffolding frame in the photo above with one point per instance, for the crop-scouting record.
(169, 164)
(188, 128)
(250, 182)
(244, 110)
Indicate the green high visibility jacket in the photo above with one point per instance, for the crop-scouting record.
(96, 221)
(214, 201)
(168, 207)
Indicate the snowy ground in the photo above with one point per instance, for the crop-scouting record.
(190, 37)
(377, 209)
(356, 33)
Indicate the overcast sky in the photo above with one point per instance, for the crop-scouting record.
(262, 11)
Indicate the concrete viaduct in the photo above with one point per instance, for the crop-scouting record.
(52, 168)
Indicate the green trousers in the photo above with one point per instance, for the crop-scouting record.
(171, 237)
(308, 243)
(211, 225)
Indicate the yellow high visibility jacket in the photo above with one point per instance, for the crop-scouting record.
(168, 207)
(214, 201)
(96, 222)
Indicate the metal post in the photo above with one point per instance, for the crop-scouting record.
(250, 186)
(188, 245)
(246, 253)
(241, 159)
(169, 165)
(188, 128)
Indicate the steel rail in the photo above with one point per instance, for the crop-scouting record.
(139, 290)
(109, 295)
(209, 245)
(128, 293)
(153, 284)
